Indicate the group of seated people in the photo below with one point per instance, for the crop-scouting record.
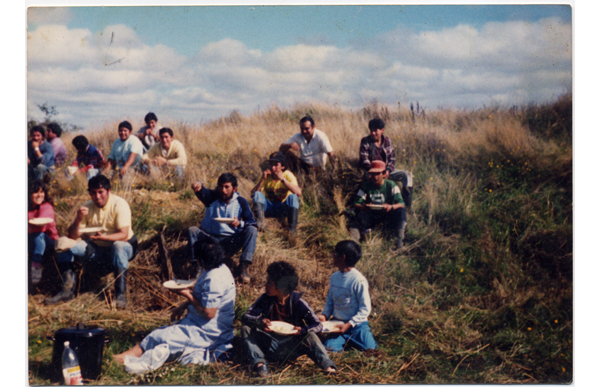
(208, 325)
(153, 151)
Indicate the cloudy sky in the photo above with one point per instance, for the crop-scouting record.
(198, 63)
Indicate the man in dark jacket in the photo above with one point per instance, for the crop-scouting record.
(263, 339)
(228, 220)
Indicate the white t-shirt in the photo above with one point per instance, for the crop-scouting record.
(315, 152)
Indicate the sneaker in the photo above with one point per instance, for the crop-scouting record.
(262, 371)
(36, 272)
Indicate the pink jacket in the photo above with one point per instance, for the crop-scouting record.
(44, 211)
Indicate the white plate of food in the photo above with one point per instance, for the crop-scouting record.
(282, 328)
(91, 230)
(225, 220)
(72, 170)
(332, 326)
(40, 221)
(179, 284)
(375, 206)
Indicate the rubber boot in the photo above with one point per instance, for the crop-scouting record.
(292, 225)
(259, 211)
(68, 291)
(244, 274)
(121, 288)
(400, 236)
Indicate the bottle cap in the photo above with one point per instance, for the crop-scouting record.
(66, 343)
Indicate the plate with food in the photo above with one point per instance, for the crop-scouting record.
(91, 230)
(72, 170)
(332, 326)
(40, 221)
(282, 328)
(375, 206)
(225, 220)
(179, 284)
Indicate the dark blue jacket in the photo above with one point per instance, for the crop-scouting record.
(216, 208)
(301, 314)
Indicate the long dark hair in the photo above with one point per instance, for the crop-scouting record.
(209, 254)
(36, 186)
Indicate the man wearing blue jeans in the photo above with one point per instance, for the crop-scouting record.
(276, 194)
(228, 220)
(104, 251)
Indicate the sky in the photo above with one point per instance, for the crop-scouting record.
(196, 63)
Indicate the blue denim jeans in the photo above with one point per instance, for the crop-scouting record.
(260, 346)
(276, 209)
(231, 244)
(39, 243)
(39, 171)
(359, 337)
(106, 259)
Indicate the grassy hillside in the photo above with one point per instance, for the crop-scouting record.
(482, 293)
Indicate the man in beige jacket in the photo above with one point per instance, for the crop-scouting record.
(166, 154)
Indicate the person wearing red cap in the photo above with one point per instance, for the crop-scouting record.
(379, 201)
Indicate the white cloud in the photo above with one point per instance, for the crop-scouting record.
(48, 15)
(113, 74)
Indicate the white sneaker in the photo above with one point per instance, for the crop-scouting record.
(36, 272)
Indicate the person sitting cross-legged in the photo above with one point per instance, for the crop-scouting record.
(348, 301)
(100, 252)
(277, 193)
(228, 219)
(379, 201)
(281, 303)
(126, 151)
(165, 155)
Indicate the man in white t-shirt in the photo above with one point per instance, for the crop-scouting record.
(313, 145)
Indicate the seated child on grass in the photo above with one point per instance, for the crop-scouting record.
(348, 301)
(281, 303)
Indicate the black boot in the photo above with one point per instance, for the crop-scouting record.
(399, 234)
(68, 291)
(121, 288)
(293, 220)
(259, 211)
(244, 274)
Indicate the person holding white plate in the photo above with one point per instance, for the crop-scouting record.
(41, 227)
(264, 324)
(379, 201)
(108, 242)
(228, 219)
(206, 332)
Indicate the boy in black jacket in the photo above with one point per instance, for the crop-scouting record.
(281, 303)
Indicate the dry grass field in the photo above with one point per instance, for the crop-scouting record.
(482, 293)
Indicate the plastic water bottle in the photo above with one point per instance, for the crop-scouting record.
(70, 365)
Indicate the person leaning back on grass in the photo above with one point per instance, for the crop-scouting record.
(89, 159)
(126, 151)
(109, 249)
(348, 301)
(168, 153)
(281, 303)
(228, 219)
(313, 145)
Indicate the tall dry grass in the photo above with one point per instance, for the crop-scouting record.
(489, 243)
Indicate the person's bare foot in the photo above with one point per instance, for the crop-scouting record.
(120, 358)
